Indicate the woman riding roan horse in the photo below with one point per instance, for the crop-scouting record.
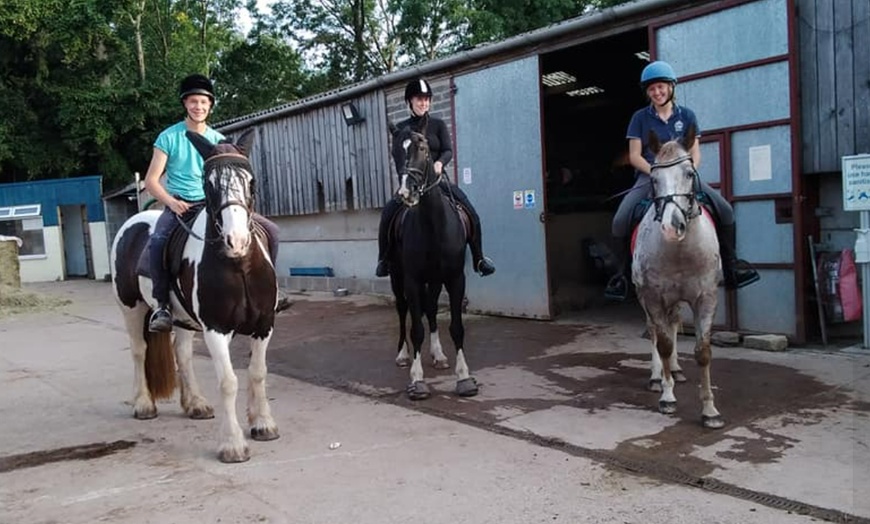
(677, 260)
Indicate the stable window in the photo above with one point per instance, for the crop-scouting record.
(24, 222)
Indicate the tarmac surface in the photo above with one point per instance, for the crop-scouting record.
(563, 429)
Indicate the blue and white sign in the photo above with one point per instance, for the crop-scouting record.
(856, 183)
(529, 198)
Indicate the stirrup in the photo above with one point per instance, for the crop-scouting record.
(485, 266)
(617, 288)
(161, 320)
(383, 268)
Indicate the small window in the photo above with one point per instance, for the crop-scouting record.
(24, 222)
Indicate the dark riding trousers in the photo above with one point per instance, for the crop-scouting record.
(641, 189)
(163, 230)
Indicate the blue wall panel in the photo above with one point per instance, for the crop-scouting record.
(58, 192)
(742, 34)
(748, 96)
(710, 169)
(779, 141)
(759, 237)
(769, 304)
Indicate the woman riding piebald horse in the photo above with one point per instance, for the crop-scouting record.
(418, 95)
(668, 121)
(175, 155)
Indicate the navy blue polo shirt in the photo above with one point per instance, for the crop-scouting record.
(645, 120)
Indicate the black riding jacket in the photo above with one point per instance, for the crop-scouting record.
(440, 144)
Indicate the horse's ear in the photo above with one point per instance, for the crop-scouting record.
(245, 141)
(653, 141)
(689, 138)
(201, 144)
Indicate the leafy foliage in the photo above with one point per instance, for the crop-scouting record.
(87, 84)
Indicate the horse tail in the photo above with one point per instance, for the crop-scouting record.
(159, 364)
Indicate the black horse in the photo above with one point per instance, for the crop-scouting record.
(429, 240)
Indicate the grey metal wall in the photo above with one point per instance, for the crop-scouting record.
(312, 162)
(834, 56)
(750, 116)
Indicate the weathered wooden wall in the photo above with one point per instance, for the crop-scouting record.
(834, 54)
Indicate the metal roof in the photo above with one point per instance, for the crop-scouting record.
(596, 19)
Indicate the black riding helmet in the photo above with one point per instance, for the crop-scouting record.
(196, 84)
(417, 87)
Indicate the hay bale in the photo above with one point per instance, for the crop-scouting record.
(10, 267)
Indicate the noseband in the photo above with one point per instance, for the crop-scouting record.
(660, 202)
(421, 175)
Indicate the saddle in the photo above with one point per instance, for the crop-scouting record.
(639, 211)
(174, 249)
(398, 219)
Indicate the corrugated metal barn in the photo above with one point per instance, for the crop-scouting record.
(780, 87)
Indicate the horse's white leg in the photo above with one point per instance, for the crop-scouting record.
(655, 374)
(676, 370)
(705, 311)
(260, 419)
(417, 389)
(466, 385)
(439, 359)
(143, 405)
(192, 401)
(667, 345)
(233, 447)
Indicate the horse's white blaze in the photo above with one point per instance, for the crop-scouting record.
(461, 366)
(404, 192)
(237, 237)
(417, 369)
(233, 442)
(435, 348)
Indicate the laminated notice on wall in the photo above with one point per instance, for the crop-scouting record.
(466, 175)
(759, 163)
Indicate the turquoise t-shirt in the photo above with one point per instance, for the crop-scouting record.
(184, 165)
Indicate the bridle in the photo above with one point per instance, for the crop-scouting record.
(213, 162)
(660, 202)
(422, 175)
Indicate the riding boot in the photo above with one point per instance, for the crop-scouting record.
(480, 263)
(617, 286)
(161, 318)
(387, 214)
(736, 273)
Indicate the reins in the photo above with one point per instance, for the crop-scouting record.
(661, 201)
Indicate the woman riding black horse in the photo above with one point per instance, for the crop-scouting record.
(418, 95)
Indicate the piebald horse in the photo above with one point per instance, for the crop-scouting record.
(428, 253)
(223, 284)
(676, 260)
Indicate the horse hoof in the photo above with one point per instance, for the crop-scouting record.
(264, 434)
(418, 390)
(678, 376)
(441, 364)
(714, 422)
(403, 362)
(234, 456)
(467, 387)
(202, 413)
(145, 414)
(667, 407)
(655, 385)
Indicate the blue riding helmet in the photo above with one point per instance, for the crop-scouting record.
(657, 72)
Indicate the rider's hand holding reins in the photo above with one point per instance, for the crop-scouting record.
(179, 207)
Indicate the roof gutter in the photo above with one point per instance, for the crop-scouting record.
(530, 39)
